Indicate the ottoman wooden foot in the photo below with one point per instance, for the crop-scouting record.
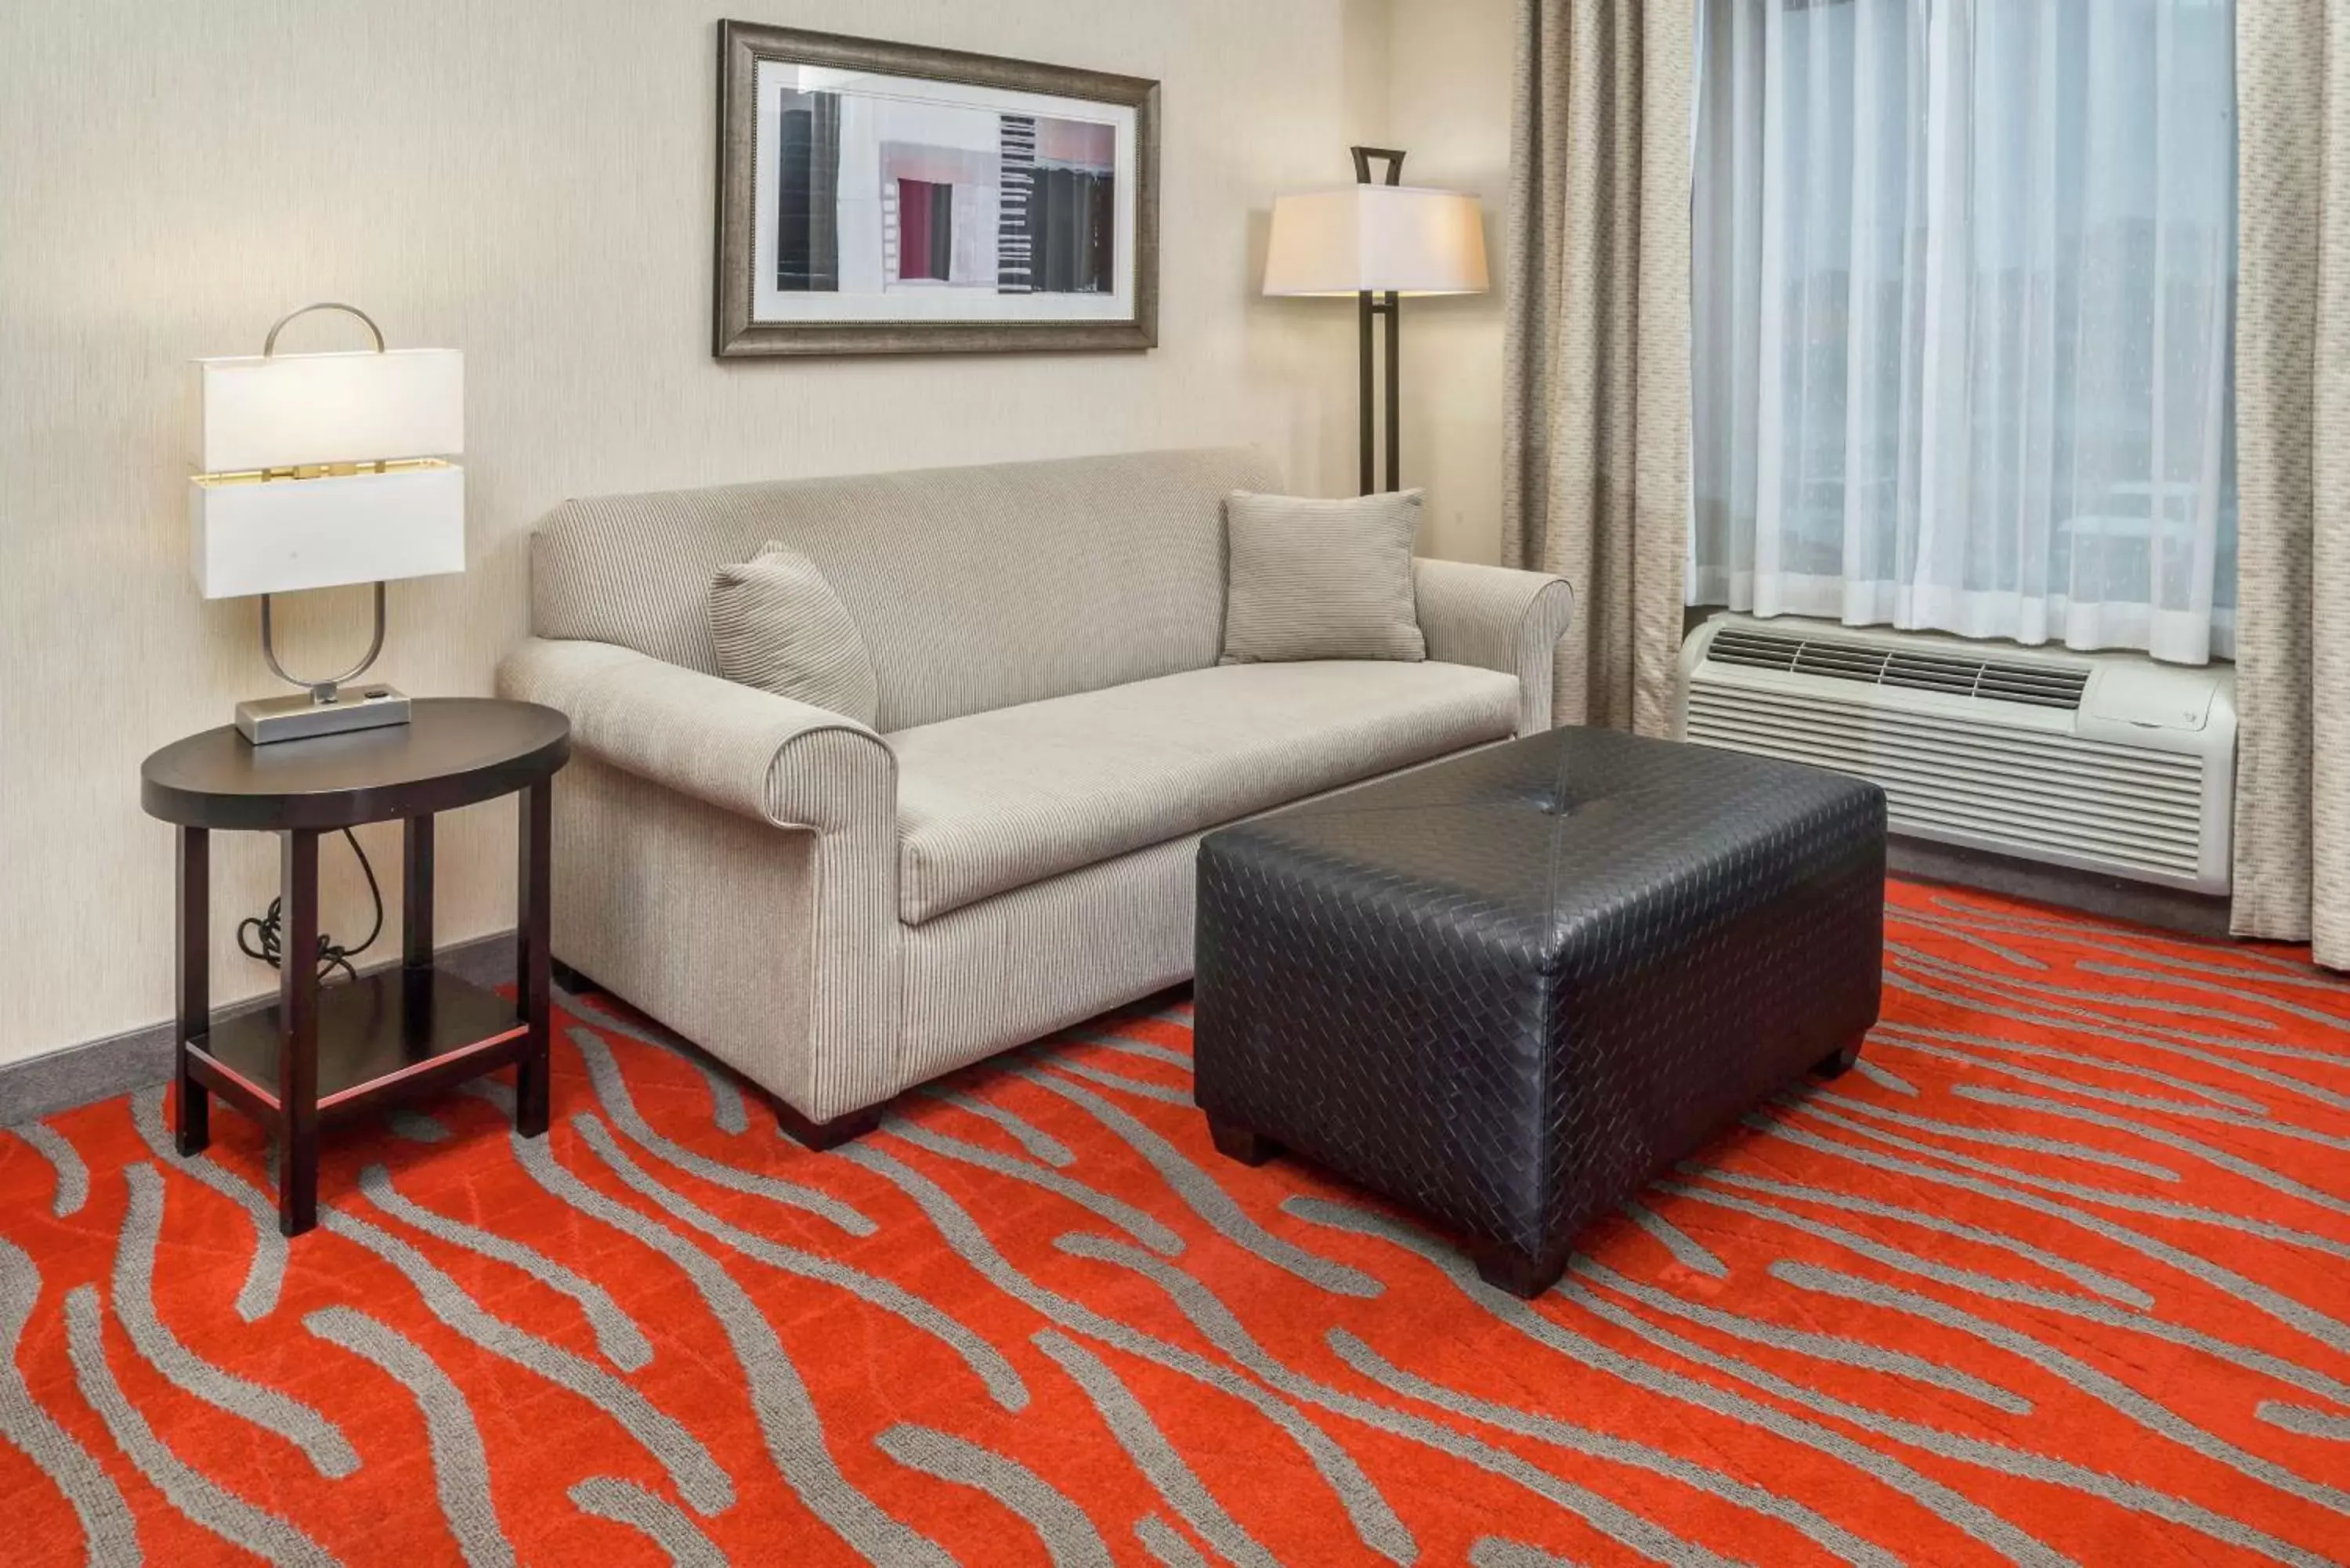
(1836, 1063)
(1234, 1141)
(1505, 1268)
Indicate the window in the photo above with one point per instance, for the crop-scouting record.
(1963, 318)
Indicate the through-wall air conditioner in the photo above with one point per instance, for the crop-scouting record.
(2104, 761)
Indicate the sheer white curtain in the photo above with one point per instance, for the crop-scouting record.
(1963, 284)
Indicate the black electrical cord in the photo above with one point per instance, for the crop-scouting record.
(268, 943)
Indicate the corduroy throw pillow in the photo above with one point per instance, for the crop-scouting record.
(780, 627)
(1320, 579)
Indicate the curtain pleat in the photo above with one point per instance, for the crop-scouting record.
(2293, 430)
(1596, 397)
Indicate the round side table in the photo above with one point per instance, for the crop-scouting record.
(324, 1052)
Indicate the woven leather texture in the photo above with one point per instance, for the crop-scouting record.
(1507, 990)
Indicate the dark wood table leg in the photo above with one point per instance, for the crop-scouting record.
(533, 958)
(192, 1105)
(297, 1039)
(416, 913)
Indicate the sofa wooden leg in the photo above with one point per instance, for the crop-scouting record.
(1506, 1268)
(569, 978)
(822, 1135)
(1234, 1141)
(1836, 1063)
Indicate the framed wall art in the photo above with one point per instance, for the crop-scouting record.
(877, 198)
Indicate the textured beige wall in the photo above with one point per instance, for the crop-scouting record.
(1449, 108)
(530, 183)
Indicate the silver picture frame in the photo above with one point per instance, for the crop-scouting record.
(1112, 304)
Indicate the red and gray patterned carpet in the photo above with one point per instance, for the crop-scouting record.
(2063, 1274)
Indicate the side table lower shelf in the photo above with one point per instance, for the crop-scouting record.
(381, 1037)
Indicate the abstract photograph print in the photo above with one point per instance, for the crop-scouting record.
(885, 198)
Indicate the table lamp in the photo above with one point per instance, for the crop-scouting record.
(1379, 243)
(321, 470)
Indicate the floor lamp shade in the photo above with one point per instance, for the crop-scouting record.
(1376, 239)
(319, 470)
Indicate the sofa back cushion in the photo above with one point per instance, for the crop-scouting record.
(777, 625)
(1309, 578)
(973, 589)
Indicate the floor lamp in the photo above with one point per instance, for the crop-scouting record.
(1378, 241)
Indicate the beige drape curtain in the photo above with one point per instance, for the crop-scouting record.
(2293, 445)
(1595, 414)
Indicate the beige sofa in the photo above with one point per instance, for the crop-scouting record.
(840, 912)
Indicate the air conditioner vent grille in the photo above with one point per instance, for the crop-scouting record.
(2131, 808)
(2051, 683)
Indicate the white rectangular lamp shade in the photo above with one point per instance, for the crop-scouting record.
(325, 469)
(251, 535)
(291, 411)
(1396, 239)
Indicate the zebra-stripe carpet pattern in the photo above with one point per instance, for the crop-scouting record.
(2060, 1274)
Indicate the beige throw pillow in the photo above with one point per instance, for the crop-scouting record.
(780, 627)
(1320, 579)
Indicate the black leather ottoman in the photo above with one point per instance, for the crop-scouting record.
(1507, 990)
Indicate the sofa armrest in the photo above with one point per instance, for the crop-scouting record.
(1496, 618)
(777, 951)
(732, 745)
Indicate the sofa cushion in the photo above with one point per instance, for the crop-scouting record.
(778, 626)
(1308, 578)
(994, 801)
